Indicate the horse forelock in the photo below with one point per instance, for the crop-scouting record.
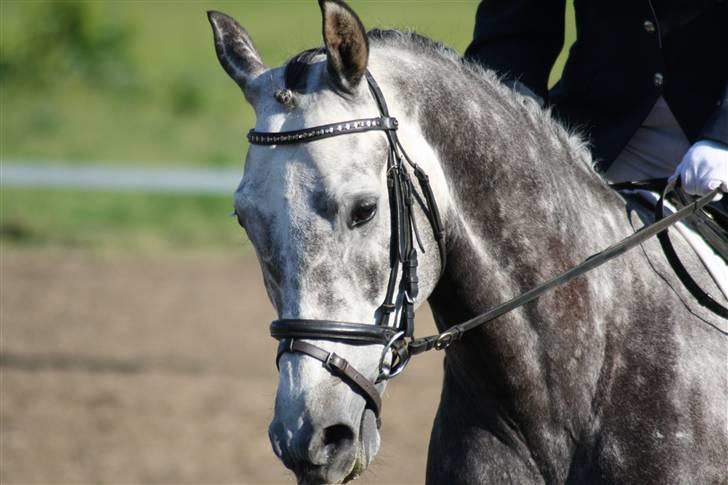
(297, 68)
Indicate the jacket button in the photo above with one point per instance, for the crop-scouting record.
(649, 27)
(658, 80)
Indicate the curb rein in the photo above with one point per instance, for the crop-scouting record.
(399, 340)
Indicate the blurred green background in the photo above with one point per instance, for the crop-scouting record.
(137, 84)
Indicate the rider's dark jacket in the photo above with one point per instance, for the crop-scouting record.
(627, 53)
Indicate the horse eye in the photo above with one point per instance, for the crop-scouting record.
(363, 213)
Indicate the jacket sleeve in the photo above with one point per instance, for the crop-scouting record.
(519, 39)
(717, 127)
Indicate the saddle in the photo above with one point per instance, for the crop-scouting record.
(710, 223)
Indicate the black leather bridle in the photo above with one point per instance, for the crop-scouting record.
(403, 253)
(398, 340)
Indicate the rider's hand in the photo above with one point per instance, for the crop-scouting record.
(703, 168)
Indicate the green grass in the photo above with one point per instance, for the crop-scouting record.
(179, 106)
(168, 102)
(126, 222)
(135, 82)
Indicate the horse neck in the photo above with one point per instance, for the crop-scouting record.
(523, 206)
(523, 202)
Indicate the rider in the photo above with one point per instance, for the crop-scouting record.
(647, 79)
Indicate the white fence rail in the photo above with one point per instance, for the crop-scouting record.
(174, 180)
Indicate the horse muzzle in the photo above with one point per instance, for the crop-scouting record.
(336, 453)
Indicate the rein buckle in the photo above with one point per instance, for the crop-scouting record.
(447, 338)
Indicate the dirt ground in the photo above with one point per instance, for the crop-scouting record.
(160, 370)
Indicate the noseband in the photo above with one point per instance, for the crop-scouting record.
(402, 197)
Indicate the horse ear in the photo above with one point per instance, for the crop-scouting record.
(235, 51)
(346, 42)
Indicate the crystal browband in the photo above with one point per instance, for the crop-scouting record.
(322, 131)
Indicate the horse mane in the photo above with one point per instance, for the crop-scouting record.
(422, 45)
(414, 42)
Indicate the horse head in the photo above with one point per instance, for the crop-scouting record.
(320, 217)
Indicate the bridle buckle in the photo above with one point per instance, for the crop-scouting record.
(335, 364)
(400, 358)
(447, 338)
(327, 362)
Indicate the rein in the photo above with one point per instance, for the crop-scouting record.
(445, 339)
(398, 340)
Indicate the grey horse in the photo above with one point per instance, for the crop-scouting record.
(616, 377)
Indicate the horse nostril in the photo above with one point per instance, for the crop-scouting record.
(338, 438)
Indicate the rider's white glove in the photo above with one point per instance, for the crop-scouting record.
(703, 168)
